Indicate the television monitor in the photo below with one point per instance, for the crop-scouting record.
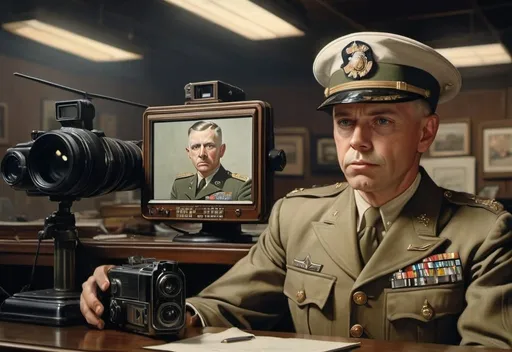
(229, 144)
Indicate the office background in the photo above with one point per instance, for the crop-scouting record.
(178, 47)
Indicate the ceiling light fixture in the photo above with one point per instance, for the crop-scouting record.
(242, 17)
(477, 55)
(69, 42)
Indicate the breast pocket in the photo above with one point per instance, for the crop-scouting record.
(424, 314)
(309, 297)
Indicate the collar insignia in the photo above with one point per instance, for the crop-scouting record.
(307, 264)
(358, 60)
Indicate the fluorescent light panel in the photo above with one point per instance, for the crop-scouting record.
(477, 55)
(242, 17)
(70, 42)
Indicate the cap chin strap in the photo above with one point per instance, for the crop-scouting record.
(403, 86)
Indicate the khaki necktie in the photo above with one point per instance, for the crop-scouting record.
(201, 185)
(368, 237)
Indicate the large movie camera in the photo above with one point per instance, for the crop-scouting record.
(146, 296)
(66, 164)
(75, 160)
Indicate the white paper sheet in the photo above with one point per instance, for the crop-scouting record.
(212, 343)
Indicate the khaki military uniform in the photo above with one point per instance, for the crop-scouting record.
(225, 186)
(331, 293)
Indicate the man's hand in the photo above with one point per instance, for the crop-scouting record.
(90, 306)
(191, 321)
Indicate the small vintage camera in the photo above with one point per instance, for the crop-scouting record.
(147, 297)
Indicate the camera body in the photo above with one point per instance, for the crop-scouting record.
(74, 161)
(147, 297)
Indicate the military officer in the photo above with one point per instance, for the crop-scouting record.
(387, 255)
(211, 181)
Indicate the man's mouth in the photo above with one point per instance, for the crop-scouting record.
(362, 163)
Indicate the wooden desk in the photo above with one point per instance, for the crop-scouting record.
(27, 337)
(19, 248)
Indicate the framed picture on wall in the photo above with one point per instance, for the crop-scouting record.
(48, 121)
(457, 173)
(453, 138)
(4, 124)
(323, 154)
(295, 143)
(495, 148)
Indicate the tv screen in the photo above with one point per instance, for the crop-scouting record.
(210, 162)
(219, 151)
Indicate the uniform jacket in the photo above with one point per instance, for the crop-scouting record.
(223, 186)
(320, 224)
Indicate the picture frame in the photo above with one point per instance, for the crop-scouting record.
(452, 139)
(4, 124)
(324, 155)
(48, 121)
(295, 142)
(495, 148)
(454, 173)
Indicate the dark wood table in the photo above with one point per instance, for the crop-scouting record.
(15, 249)
(27, 337)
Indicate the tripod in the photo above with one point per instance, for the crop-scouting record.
(61, 305)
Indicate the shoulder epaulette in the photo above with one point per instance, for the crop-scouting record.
(184, 174)
(462, 198)
(239, 177)
(318, 192)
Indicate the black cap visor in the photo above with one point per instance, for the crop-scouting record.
(372, 95)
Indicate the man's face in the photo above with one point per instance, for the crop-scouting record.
(205, 151)
(379, 145)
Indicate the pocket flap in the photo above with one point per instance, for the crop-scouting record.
(306, 287)
(409, 302)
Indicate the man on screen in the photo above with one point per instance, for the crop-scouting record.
(387, 255)
(211, 181)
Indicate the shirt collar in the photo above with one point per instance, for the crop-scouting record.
(208, 178)
(389, 211)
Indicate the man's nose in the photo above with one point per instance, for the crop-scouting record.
(202, 152)
(361, 138)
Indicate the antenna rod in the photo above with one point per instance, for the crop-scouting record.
(84, 93)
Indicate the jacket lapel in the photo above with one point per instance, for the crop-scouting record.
(412, 237)
(190, 192)
(336, 231)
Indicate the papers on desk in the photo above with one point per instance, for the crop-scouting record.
(213, 343)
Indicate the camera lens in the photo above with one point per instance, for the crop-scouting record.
(77, 162)
(53, 162)
(14, 169)
(169, 285)
(11, 168)
(169, 314)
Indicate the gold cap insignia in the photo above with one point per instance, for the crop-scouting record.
(358, 59)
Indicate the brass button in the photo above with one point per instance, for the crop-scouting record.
(448, 194)
(427, 311)
(360, 298)
(356, 330)
(301, 296)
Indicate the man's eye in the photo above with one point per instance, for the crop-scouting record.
(345, 122)
(381, 121)
(210, 146)
(195, 147)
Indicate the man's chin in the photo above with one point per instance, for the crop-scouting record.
(362, 182)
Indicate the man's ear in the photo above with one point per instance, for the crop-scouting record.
(429, 127)
(222, 150)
